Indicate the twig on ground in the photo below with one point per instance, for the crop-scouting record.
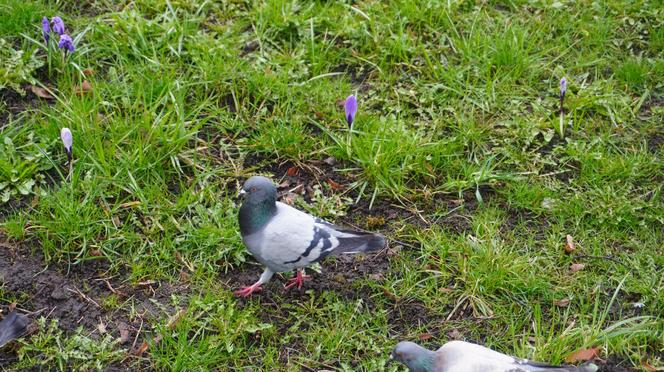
(77, 291)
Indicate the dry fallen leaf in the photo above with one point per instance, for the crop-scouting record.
(334, 185)
(330, 161)
(95, 253)
(562, 303)
(41, 92)
(576, 267)
(88, 72)
(292, 171)
(583, 355)
(124, 333)
(84, 88)
(101, 327)
(648, 367)
(130, 204)
(141, 349)
(284, 184)
(425, 336)
(175, 318)
(445, 290)
(569, 247)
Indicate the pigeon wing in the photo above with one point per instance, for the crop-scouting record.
(295, 239)
(460, 356)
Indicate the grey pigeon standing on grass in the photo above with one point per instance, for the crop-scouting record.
(12, 326)
(283, 238)
(461, 356)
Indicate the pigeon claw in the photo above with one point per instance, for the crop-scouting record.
(247, 291)
(297, 281)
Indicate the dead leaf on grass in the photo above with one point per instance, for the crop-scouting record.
(84, 88)
(292, 171)
(334, 185)
(562, 303)
(583, 355)
(175, 318)
(141, 349)
(648, 367)
(330, 161)
(124, 333)
(88, 72)
(41, 92)
(101, 327)
(425, 336)
(284, 184)
(130, 204)
(95, 253)
(569, 246)
(576, 267)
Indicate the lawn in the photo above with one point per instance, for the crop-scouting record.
(505, 227)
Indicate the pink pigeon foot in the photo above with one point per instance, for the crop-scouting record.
(247, 291)
(298, 280)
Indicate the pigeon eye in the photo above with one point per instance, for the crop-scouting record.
(253, 189)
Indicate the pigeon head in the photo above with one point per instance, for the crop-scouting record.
(260, 197)
(414, 356)
(258, 190)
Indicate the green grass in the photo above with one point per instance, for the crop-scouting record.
(457, 120)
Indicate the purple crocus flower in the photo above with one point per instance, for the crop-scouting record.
(58, 25)
(563, 86)
(46, 29)
(67, 43)
(351, 109)
(67, 140)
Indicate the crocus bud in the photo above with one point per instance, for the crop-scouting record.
(46, 29)
(563, 87)
(351, 109)
(67, 139)
(67, 43)
(58, 25)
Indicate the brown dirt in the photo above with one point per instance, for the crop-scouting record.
(12, 104)
(75, 296)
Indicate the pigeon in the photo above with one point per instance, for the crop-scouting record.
(461, 356)
(283, 238)
(12, 326)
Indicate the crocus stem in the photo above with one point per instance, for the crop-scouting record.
(70, 162)
(562, 115)
(350, 138)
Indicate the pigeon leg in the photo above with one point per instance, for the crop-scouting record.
(256, 287)
(298, 280)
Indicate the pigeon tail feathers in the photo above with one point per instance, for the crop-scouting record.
(541, 367)
(13, 326)
(361, 242)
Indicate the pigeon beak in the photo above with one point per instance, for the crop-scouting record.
(241, 193)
